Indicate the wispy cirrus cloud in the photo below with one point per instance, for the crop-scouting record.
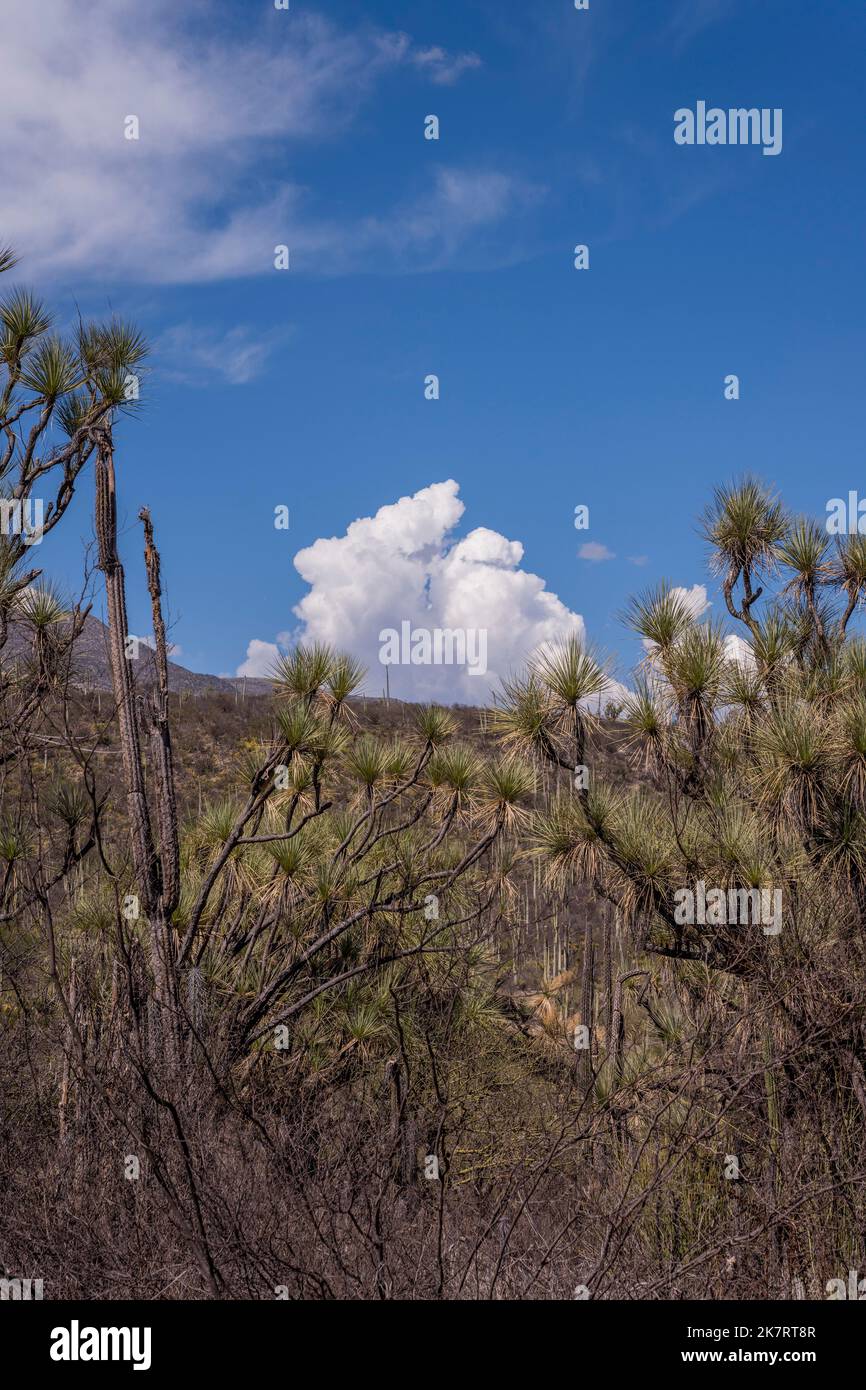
(444, 68)
(203, 193)
(429, 230)
(691, 17)
(200, 356)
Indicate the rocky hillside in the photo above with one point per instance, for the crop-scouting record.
(91, 669)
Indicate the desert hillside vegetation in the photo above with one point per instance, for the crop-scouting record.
(314, 996)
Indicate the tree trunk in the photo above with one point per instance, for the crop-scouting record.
(147, 865)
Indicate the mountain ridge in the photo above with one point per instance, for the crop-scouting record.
(91, 667)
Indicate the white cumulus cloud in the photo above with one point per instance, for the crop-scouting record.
(261, 659)
(739, 650)
(405, 565)
(695, 599)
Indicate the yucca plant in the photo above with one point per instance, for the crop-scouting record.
(507, 787)
(68, 802)
(454, 772)
(368, 762)
(804, 551)
(847, 570)
(774, 640)
(521, 714)
(743, 690)
(302, 673)
(574, 837)
(647, 718)
(744, 525)
(41, 607)
(573, 678)
(51, 370)
(793, 762)
(694, 665)
(298, 726)
(660, 616)
(848, 750)
(343, 679)
(854, 660)
(14, 842)
(435, 725)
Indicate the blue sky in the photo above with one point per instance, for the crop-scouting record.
(408, 257)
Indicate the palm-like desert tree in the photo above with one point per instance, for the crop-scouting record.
(744, 525)
(847, 570)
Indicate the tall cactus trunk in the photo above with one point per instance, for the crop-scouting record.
(161, 751)
(144, 854)
(148, 868)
